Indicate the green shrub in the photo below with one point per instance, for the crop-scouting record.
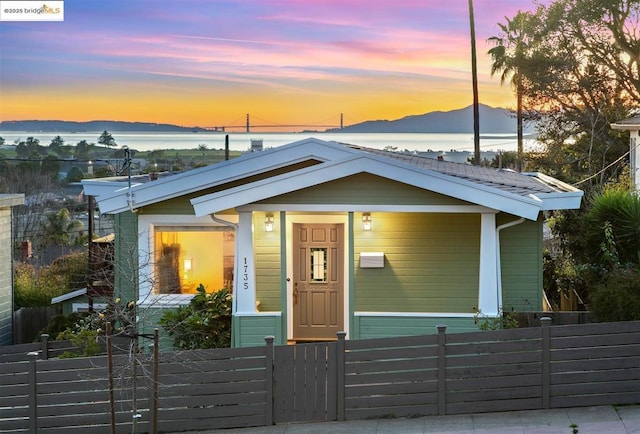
(204, 323)
(84, 329)
(35, 287)
(618, 298)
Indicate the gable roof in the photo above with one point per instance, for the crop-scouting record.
(521, 194)
(247, 165)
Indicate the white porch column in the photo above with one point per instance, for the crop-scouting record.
(245, 278)
(488, 303)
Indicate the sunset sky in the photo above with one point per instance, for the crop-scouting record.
(207, 63)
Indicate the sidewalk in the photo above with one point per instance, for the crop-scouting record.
(589, 420)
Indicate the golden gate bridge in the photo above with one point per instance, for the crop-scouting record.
(247, 125)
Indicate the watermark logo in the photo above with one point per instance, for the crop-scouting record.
(26, 10)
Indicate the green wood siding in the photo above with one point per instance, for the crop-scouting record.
(371, 327)
(249, 331)
(182, 206)
(149, 316)
(431, 263)
(268, 263)
(126, 253)
(367, 189)
(521, 256)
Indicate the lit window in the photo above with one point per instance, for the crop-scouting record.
(186, 257)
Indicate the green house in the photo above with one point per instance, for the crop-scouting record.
(317, 237)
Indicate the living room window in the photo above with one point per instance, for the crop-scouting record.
(187, 256)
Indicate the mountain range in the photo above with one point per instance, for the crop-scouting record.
(492, 121)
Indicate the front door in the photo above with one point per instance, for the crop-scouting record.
(318, 281)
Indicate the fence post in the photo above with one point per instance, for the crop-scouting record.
(340, 372)
(44, 341)
(442, 370)
(33, 393)
(546, 362)
(154, 381)
(268, 366)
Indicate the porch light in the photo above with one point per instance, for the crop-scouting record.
(268, 223)
(366, 221)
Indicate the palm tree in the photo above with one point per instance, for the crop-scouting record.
(60, 228)
(474, 74)
(508, 57)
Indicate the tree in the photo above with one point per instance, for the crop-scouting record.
(575, 82)
(56, 144)
(30, 149)
(59, 228)
(568, 81)
(202, 148)
(106, 139)
(58, 147)
(508, 56)
(83, 148)
(74, 175)
(50, 166)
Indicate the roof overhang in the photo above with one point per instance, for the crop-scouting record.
(629, 124)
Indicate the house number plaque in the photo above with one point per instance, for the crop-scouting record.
(245, 274)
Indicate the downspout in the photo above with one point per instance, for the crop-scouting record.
(235, 227)
(498, 262)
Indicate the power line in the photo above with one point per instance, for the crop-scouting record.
(608, 166)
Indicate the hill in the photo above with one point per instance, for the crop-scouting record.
(93, 126)
(492, 120)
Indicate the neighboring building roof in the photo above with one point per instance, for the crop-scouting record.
(69, 295)
(632, 123)
(9, 200)
(522, 194)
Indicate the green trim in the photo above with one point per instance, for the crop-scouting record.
(284, 272)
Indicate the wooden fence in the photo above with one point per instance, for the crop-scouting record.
(533, 368)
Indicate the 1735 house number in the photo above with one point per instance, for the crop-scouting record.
(245, 274)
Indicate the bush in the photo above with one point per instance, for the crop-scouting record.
(618, 298)
(35, 287)
(204, 323)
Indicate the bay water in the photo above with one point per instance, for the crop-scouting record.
(144, 141)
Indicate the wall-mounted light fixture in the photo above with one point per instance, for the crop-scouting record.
(268, 223)
(366, 221)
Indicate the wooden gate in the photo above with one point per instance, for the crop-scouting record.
(305, 382)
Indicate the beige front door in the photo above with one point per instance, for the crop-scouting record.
(318, 281)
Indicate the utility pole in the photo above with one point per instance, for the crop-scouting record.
(247, 122)
(341, 120)
(474, 74)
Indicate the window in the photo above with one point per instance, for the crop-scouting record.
(187, 256)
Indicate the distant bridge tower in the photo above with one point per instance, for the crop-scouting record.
(247, 122)
(341, 120)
